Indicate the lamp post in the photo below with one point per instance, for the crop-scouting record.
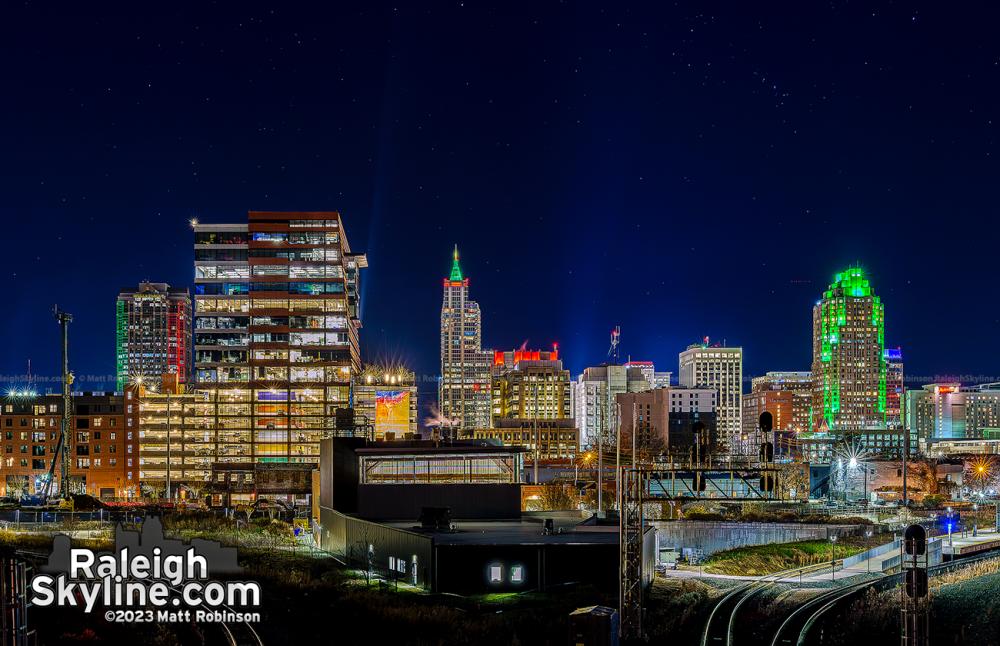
(950, 542)
(868, 535)
(537, 441)
(833, 557)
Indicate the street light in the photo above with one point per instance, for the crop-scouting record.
(868, 535)
(833, 557)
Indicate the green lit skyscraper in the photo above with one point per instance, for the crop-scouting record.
(849, 367)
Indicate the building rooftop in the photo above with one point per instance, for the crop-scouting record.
(518, 532)
(436, 447)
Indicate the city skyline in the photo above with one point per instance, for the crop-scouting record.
(610, 193)
(475, 322)
(661, 357)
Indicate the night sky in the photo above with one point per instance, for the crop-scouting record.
(700, 169)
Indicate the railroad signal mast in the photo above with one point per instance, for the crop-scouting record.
(646, 483)
(913, 592)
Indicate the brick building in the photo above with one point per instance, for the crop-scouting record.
(103, 443)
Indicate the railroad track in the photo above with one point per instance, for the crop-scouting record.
(236, 633)
(719, 628)
(795, 629)
(233, 633)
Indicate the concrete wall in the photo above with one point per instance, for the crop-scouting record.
(707, 537)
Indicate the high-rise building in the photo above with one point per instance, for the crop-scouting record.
(849, 368)
(793, 381)
(593, 400)
(664, 419)
(386, 399)
(894, 388)
(464, 393)
(103, 444)
(530, 384)
(656, 378)
(949, 411)
(531, 404)
(276, 311)
(153, 333)
(786, 395)
(721, 369)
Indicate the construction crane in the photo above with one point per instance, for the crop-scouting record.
(62, 447)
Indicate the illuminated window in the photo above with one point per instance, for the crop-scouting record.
(517, 574)
(496, 574)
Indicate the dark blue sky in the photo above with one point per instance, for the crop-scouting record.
(679, 170)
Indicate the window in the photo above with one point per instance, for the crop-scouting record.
(517, 574)
(496, 574)
(269, 236)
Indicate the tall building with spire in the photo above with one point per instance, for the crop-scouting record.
(849, 363)
(464, 391)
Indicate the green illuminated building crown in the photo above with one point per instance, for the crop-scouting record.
(851, 282)
(456, 271)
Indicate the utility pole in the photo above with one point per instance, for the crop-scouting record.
(906, 456)
(600, 468)
(537, 438)
(618, 456)
(634, 422)
(64, 319)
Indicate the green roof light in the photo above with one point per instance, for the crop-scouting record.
(456, 271)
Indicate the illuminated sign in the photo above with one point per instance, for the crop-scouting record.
(392, 412)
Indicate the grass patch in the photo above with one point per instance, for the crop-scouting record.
(676, 609)
(759, 560)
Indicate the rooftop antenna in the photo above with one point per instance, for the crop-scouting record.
(615, 339)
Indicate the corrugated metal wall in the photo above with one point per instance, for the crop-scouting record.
(361, 544)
